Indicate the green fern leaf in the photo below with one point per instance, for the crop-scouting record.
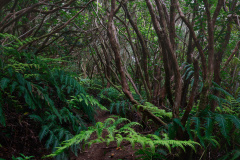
(13, 86)
(119, 139)
(197, 129)
(178, 121)
(188, 125)
(109, 139)
(209, 127)
(222, 123)
(4, 82)
(118, 106)
(189, 74)
(235, 120)
(36, 117)
(50, 140)
(43, 132)
(20, 79)
(212, 141)
(152, 146)
(171, 131)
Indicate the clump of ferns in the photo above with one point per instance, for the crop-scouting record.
(92, 86)
(227, 103)
(86, 104)
(188, 74)
(11, 44)
(110, 95)
(120, 107)
(161, 113)
(71, 121)
(210, 129)
(124, 133)
(45, 93)
(56, 129)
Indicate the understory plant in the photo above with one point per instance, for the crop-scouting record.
(36, 87)
(125, 133)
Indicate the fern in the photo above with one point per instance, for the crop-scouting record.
(120, 107)
(155, 110)
(209, 127)
(4, 82)
(233, 155)
(211, 121)
(149, 141)
(110, 94)
(46, 93)
(15, 41)
(234, 120)
(222, 122)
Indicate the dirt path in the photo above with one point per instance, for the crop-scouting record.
(101, 151)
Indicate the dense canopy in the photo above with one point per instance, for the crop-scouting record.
(168, 71)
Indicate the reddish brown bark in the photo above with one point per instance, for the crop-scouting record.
(218, 60)
(107, 59)
(139, 68)
(231, 56)
(196, 41)
(145, 52)
(116, 49)
(57, 28)
(187, 81)
(166, 43)
(112, 35)
(156, 85)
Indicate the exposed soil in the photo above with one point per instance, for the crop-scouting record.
(24, 139)
(101, 151)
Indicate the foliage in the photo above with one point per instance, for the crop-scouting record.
(121, 107)
(35, 89)
(23, 157)
(57, 57)
(125, 133)
(110, 94)
(161, 113)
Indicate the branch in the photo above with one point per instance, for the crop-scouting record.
(58, 28)
(199, 47)
(231, 56)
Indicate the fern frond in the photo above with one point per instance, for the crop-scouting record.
(4, 82)
(213, 141)
(235, 120)
(209, 127)
(222, 124)
(114, 134)
(197, 129)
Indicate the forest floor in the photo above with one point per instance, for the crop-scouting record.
(24, 140)
(20, 137)
(101, 151)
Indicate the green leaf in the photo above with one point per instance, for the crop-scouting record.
(13, 86)
(4, 82)
(209, 127)
(222, 123)
(43, 132)
(235, 120)
(178, 121)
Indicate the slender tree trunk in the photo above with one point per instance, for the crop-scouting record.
(170, 50)
(145, 51)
